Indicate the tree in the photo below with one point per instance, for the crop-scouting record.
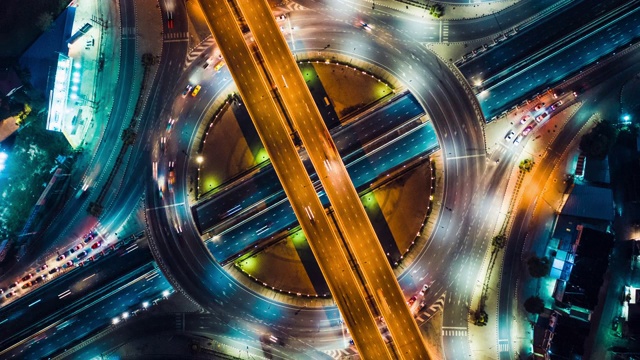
(539, 266)
(534, 305)
(526, 165)
(597, 142)
(499, 241)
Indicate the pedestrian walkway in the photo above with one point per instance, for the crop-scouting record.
(454, 331)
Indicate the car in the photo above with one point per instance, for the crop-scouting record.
(44, 267)
(81, 255)
(411, 300)
(188, 88)
(527, 130)
(206, 63)
(170, 19)
(219, 66)
(281, 17)
(54, 270)
(13, 285)
(61, 257)
(87, 239)
(554, 106)
(170, 124)
(541, 117)
(10, 294)
(575, 94)
(96, 257)
(2, 290)
(69, 264)
(365, 26)
(96, 245)
(27, 277)
(37, 280)
(107, 251)
(425, 288)
(26, 285)
(196, 90)
(518, 139)
(539, 106)
(525, 119)
(510, 136)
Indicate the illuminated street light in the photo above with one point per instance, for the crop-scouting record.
(145, 304)
(199, 159)
(125, 315)
(626, 118)
(165, 293)
(115, 321)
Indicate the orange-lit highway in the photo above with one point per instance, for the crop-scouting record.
(352, 219)
(271, 127)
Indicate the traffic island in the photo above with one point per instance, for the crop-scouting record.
(227, 149)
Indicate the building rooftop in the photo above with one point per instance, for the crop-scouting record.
(590, 202)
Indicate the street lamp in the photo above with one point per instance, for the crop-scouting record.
(145, 304)
(199, 159)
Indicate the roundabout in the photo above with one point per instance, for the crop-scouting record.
(182, 254)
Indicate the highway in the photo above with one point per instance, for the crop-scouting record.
(286, 162)
(360, 238)
(59, 300)
(538, 38)
(271, 214)
(262, 186)
(603, 39)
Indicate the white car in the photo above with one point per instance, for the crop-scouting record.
(425, 288)
(510, 136)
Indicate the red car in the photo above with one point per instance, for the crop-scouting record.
(96, 245)
(27, 277)
(527, 130)
(411, 300)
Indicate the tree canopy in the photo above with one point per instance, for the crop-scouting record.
(539, 266)
(534, 305)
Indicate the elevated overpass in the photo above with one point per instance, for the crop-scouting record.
(259, 98)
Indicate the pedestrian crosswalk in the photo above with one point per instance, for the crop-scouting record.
(198, 50)
(444, 31)
(503, 345)
(175, 36)
(454, 331)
